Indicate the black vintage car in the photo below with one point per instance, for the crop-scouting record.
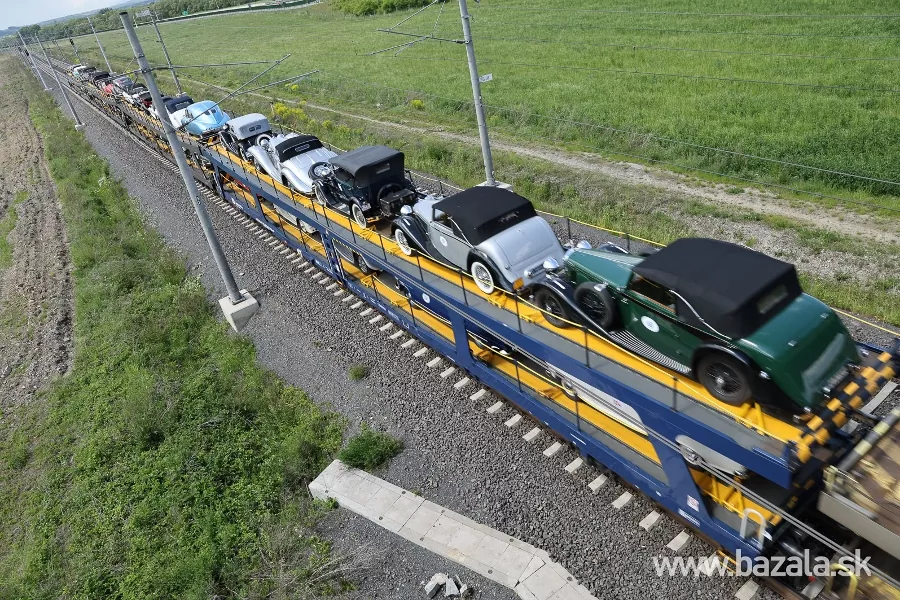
(367, 183)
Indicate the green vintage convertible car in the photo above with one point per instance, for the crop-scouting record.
(734, 319)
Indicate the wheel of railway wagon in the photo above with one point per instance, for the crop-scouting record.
(555, 311)
(724, 377)
(358, 216)
(597, 303)
(483, 277)
(402, 242)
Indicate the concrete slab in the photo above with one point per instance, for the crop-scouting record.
(348, 298)
(553, 449)
(332, 286)
(597, 483)
(447, 372)
(513, 420)
(420, 352)
(495, 407)
(338, 292)
(408, 343)
(622, 500)
(385, 327)
(531, 435)
(461, 383)
(478, 395)
(375, 319)
(574, 465)
(649, 521)
(678, 541)
(366, 312)
(356, 305)
(396, 334)
(493, 554)
(434, 362)
(747, 591)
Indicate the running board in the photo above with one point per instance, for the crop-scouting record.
(628, 340)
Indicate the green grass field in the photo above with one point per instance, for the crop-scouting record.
(575, 62)
(167, 463)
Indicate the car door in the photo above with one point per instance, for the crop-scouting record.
(448, 240)
(649, 312)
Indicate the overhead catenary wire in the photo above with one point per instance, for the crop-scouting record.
(610, 11)
(694, 50)
(686, 31)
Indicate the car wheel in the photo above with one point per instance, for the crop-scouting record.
(361, 264)
(724, 377)
(402, 242)
(319, 193)
(555, 311)
(319, 170)
(483, 277)
(597, 303)
(358, 216)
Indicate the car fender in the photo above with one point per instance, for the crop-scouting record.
(500, 274)
(410, 226)
(261, 158)
(732, 352)
(559, 286)
(295, 182)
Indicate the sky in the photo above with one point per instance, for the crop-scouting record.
(26, 12)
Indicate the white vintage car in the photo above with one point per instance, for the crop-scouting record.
(291, 158)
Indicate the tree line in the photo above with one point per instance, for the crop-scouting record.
(108, 18)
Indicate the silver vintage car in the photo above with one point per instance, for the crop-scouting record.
(493, 233)
(290, 158)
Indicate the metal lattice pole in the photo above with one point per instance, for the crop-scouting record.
(96, 37)
(65, 94)
(234, 293)
(476, 93)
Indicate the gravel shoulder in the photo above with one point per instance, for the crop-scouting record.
(35, 287)
(456, 455)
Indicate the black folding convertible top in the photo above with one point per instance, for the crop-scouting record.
(482, 212)
(733, 288)
(371, 164)
(295, 146)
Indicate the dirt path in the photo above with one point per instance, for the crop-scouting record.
(35, 286)
(760, 201)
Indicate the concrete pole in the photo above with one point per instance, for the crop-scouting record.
(65, 94)
(166, 53)
(109, 68)
(239, 306)
(34, 65)
(476, 92)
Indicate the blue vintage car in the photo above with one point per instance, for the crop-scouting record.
(204, 118)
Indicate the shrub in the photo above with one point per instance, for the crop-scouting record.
(370, 449)
(417, 104)
(358, 372)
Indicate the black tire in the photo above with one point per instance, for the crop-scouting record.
(358, 216)
(554, 309)
(364, 268)
(724, 377)
(597, 304)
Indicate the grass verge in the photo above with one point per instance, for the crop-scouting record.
(370, 449)
(165, 465)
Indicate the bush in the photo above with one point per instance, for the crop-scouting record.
(417, 104)
(370, 449)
